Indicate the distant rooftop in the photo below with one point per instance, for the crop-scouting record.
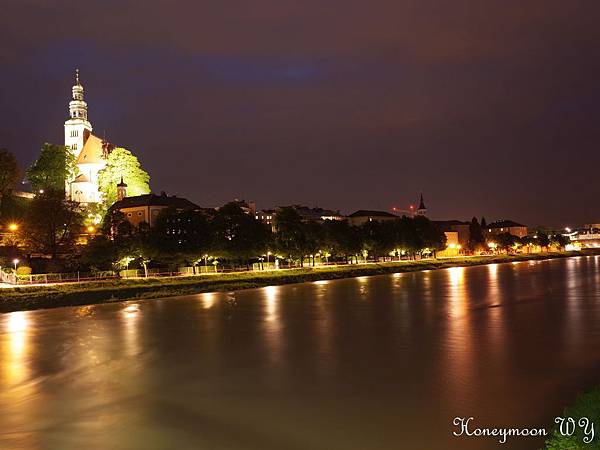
(155, 200)
(504, 224)
(369, 213)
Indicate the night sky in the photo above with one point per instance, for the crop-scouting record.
(488, 107)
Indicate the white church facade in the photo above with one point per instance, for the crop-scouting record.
(90, 151)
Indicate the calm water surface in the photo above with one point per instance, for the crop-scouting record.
(366, 363)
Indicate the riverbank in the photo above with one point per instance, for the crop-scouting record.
(75, 294)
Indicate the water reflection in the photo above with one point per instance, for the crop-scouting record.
(272, 324)
(208, 299)
(15, 339)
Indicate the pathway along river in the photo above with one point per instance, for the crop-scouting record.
(367, 363)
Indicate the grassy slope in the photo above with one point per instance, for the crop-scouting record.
(35, 297)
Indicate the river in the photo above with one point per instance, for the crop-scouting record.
(368, 363)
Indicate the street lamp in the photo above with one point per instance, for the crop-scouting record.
(13, 227)
(15, 262)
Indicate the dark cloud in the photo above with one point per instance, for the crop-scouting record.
(489, 107)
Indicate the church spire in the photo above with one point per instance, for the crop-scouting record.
(422, 210)
(77, 106)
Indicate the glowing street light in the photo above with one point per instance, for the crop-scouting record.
(91, 229)
(567, 229)
(15, 262)
(13, 227)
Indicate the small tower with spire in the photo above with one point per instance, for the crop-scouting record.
(121, 190)
(422, 209)
(77, 126)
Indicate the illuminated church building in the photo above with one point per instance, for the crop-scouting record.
(90, 151)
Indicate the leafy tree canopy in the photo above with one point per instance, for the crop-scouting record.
(51, 224)
(52, 169)
(121, 163)
(9, 171)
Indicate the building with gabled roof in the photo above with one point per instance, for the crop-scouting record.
(505, 226)
(145, 208)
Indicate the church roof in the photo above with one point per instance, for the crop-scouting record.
(81, 178)
(92, 152)
(154, 200)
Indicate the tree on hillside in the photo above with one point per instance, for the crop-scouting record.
(9, 172)
(51, 224)
(121, 163)
(53, 168)
(483, 223)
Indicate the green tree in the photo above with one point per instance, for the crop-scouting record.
(122, 163)
(505, 241)
(433, 237)
(51, 224)
(237, 235)
(9, 172)
(184, 235)
(53, 168)
(542, 239)
(476, 238)
(340, 239)
(560, 241)
(378, 237)
(290, 234)
(101, 253)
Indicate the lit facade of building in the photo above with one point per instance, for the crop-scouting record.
(505, 226)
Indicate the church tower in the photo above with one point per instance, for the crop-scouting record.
(77, 127)
(422, 209)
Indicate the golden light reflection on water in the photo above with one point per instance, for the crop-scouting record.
(16, 389)
(458, 301)
(15, 347)
(272, 299)
(208, 300)
(458, 347)
(272, 323)
(131, 315)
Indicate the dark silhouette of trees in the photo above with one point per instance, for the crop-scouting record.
(51, 224)
(476, 238)
(238, 236)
